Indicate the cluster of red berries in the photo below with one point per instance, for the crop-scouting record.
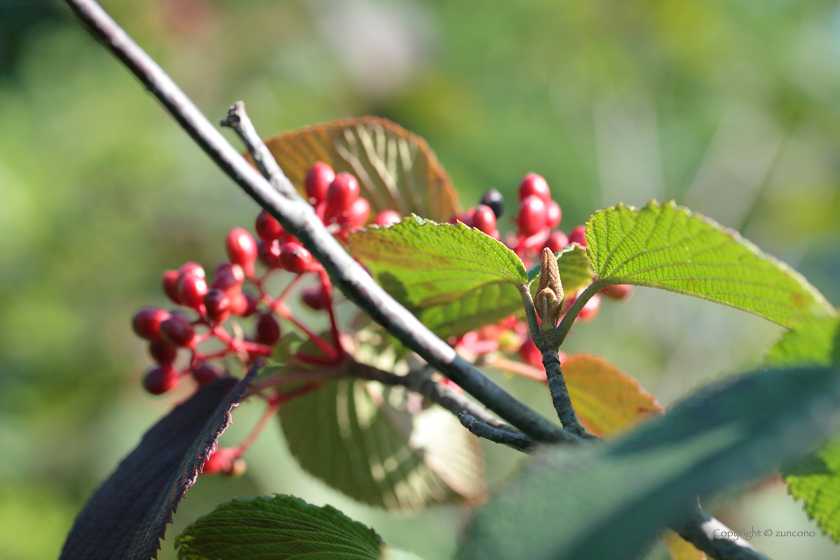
(536, 221)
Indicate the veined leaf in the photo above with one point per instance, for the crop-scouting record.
(608, 501)
(280, 528)
(454, 278)
(377, 445)
(573, 265)
(816, 480)
(128, 513)
(669, 247)
(396, 169)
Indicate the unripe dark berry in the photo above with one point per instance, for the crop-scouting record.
(342, 193)
(161, 379)
(177, 330)
(387, 218)
(534, 185)
(170, 285)
(578, 235)
(318, 180)
(618, 292)
(533, 216)
(205, 373)
(556, 241)
(314, 298)
(192, 287)
(267, 330)
(267, 227)
(295, 258)
(217, 304)
(484, 219)
(228, 277)
(494, 199)
(162, 352)
(553, 214)
(146, 322)
(242, 249)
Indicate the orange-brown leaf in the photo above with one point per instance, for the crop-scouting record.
(396, 168)
(680, 549)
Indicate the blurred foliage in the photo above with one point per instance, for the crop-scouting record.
(729, 106)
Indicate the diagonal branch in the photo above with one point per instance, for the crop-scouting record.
(298, 218)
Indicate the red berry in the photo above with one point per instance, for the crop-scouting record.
(553, 214)
(146, 322)
(465, 218)
(578, 235)
(191, 268)
(618, 291)
(162, 352)
(357, 215)
(170, 285)
(177, 330)
(484, 219)
(590, 309)
(242, 249)
(220, 460)
(533, 216)
(267, 227)
(530, 353)
(534, 185)
(251, 304)
(191, 288)
(295, 258)
(314, 298)
(217, 303)
(387, 218)
(205, 373)
(238, 303)
(161, 379)
(267, 330)
(556, 241)
(228, 277)
(269, 253)
(318, 180)
(342, 193)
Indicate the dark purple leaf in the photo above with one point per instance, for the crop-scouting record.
(127, 516)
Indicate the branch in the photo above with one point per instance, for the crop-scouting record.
(558, 335)
(298, 218)
(560, 393)
(700, 530)
(481, 429)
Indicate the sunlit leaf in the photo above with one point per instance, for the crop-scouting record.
(396, 169)
(816, 480)
(380, 446)
(454, 278)
(680, 549)
(607, 501)
(128, 514)
(669, 247)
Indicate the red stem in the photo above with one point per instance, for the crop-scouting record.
(326, 289)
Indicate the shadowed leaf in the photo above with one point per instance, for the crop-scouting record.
(607, 501)
(669, 247)
(380, 446)
(127, 516)
(815, 481)
(396, 169)
(454, 278)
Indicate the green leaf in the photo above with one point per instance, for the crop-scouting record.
(815, 481)
(606, 501)
(573, 265)
(380, 446)
(280, 528)
(669, 247)
(396, 169)
(454, 278)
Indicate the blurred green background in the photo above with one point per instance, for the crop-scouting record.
(730, 107)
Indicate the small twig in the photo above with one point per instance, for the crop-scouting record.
(481, 429)
(706, 534)
(557, 336)
(560, 393)
(530, 311)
